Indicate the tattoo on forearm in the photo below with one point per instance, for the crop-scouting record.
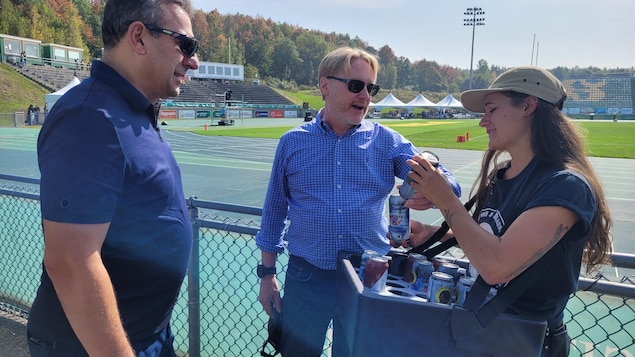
(557, 235)
(448, 217)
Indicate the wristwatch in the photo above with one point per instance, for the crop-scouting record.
(263, 271)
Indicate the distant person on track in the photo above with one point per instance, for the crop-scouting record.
(117, 232)
(330, 179)
(545, 198)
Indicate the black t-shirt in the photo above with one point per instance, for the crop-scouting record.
(540, 184)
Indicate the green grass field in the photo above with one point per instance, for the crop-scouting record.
(603, 139)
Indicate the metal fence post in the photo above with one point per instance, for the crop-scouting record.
(193, 287)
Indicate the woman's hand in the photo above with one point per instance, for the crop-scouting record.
(431, 185)
(419, 233)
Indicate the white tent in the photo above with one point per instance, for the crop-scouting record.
(51, 98)
(448, 102)
(389, 102)
(420, 101)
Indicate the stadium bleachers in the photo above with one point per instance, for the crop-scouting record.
(52, 78)
(198, 91)
(209, 91)
(610, 92)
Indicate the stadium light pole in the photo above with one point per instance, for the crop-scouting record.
(473, 21)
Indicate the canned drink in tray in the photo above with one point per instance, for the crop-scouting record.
(452, 269)
(412, 257)
(421, 271)
(441, 288)
(362, 263)
(462, 288)
(376, 273)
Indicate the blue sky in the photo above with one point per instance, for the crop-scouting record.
(567, 32)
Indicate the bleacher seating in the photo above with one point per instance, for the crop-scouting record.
(199, 91)
(207, 91)
(52, 78)
(609, 92)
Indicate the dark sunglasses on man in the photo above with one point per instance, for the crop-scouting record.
(356, 86)
(188, 45)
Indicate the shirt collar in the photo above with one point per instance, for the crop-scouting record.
(119, 84)
(327, 128)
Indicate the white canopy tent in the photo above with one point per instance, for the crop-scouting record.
(390, 101)
(51, 98)
(448, 102)
(419, 102)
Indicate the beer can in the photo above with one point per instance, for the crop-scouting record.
(462, 288)
(376, 273)
(399, 218)
(412, 257)
(440, 259)
(362, 263)
(441, 288)
(406, 191)
(421, 271)
(471, 271)
(452, 269)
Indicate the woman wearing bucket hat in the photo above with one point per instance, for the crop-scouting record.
(536, 192)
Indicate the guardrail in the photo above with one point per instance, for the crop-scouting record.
(217, 313)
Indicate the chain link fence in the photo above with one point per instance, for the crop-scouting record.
(16, 119)
(218, 314)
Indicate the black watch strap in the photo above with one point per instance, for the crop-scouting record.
(263, 271)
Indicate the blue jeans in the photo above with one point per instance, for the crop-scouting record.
(308, 306)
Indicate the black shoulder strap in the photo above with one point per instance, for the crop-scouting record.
(423, 248)
(474, 315)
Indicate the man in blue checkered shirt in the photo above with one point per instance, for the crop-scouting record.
(330, 179)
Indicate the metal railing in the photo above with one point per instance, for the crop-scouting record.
(217, 313)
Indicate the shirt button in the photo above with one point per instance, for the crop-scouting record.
(339, 211)
(339, 236)
(339, 186)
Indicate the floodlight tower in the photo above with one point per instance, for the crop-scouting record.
(473, 21)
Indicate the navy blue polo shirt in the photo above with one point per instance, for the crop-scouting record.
(102, 159)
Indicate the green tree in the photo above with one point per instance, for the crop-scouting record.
(404, 72)
(387, 78)
(286, 60)
(312, 49)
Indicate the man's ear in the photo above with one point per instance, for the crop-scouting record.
(135, 35)
(324, 86)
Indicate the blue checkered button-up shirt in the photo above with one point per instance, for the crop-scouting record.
(333, 190)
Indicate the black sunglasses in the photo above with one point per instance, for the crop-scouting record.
(356, 86)
(188, 45)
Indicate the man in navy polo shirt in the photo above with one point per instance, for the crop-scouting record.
(116, 228)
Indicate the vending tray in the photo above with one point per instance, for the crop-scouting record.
(397, 322)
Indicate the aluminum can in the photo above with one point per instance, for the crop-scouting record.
(441, 288)
(452, 269)
(399, 218)
(471, 271)
(421, 271)
(412, 257)
(376, 273)
(362, 263)
(440, 259)
(406, 191)
(462, 288)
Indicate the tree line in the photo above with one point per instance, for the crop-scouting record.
(277, 52)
